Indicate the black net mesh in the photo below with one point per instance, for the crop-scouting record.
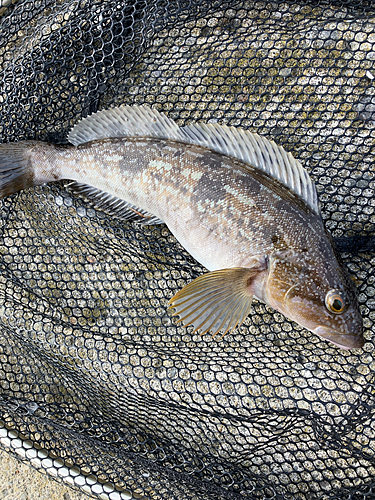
(98, 384)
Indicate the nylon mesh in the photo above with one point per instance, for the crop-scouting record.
(99, 386)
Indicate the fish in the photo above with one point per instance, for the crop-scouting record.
(238, 203)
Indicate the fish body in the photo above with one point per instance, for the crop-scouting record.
(239, 205)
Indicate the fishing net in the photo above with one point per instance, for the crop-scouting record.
(99, 386)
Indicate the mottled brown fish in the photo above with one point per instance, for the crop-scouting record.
(241, 205)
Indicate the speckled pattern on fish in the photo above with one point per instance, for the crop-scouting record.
(232, 199)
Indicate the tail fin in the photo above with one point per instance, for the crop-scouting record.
(16, 172)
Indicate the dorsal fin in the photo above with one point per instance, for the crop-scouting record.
(125, 121)
(257, 151)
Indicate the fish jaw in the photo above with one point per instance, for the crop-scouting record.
(298, 285)
(343, 341)
(345, 334)
(344, 331)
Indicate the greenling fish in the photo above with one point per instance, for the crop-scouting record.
(241, 205)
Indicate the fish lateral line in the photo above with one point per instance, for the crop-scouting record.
(110, 150)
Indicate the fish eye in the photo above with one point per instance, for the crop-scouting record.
(336, 301)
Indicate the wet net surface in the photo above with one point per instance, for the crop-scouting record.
(98, 384)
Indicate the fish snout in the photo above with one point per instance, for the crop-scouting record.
(344, 341)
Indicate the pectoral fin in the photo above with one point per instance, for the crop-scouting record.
(217, 301)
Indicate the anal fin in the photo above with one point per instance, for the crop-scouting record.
(113, 206)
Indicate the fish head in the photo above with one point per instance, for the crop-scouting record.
(317, 293)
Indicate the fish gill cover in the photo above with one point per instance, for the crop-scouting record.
(99, 385)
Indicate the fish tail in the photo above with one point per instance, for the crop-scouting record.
(16, 170)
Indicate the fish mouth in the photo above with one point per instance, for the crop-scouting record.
(343, 341)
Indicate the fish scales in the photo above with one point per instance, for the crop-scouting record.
(241, 206)
(212, 200)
